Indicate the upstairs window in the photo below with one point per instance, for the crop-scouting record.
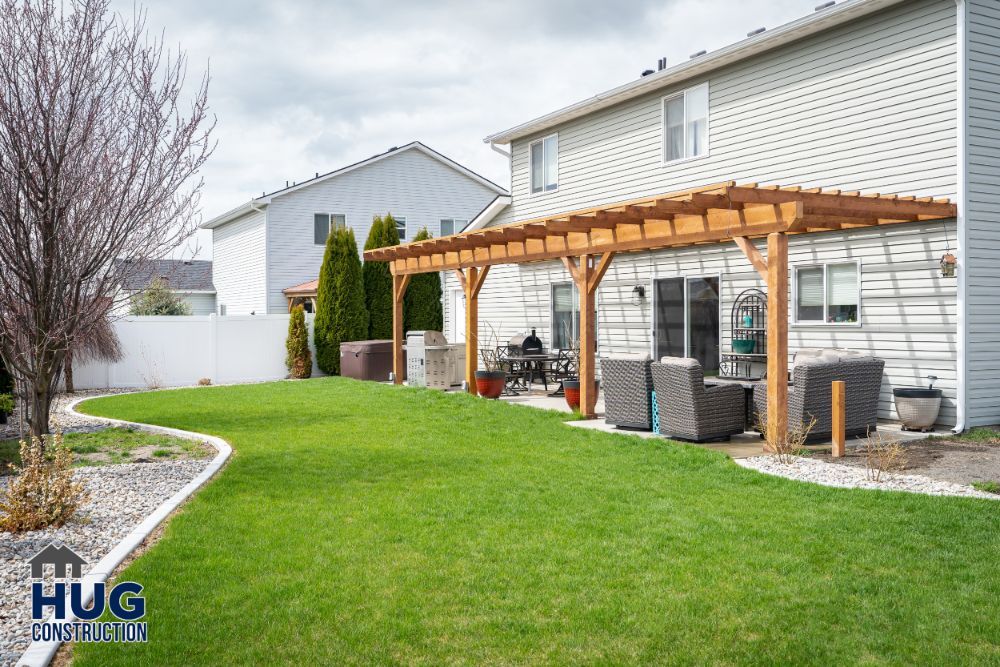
(323, 223)
(827, 294)
(545, 164)
(400, 227)
(685, 124)
(451, 226)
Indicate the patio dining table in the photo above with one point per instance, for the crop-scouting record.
(524, 367)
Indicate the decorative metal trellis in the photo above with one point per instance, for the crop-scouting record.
(749, 323)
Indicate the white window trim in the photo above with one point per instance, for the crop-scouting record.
(542, 141)
(663, 126)
(329, 225)
(795, 295)
(401, 218)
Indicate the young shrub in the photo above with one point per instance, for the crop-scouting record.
(422, 303)
(340, 302)
(43, 493)
(882, 455)
(378, 279)
(785, 451)
(298, 358)
(157, 299)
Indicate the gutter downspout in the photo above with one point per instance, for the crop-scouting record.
(962, 230)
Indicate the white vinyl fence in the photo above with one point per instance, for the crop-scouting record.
(177, 351)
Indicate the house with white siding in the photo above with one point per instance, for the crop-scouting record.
(878, 96)
(268, 251)
(190, 280)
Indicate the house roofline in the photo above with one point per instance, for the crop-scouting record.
(263, 201)
(821, 20)
(491, 210)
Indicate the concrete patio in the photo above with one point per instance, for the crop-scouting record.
(740, 446)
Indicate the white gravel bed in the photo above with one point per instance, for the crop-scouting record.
(850, 477)
(61, 419)
(121, 496)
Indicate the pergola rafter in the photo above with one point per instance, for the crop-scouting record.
(586, 240)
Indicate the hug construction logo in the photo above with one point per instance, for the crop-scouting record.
(124, 602)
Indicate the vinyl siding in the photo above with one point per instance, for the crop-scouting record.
(411, 185)
(982, 261)
(868, 105)
(238, 252)
(907, 309)
(201, 304)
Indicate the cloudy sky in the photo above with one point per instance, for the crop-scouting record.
(306, 86)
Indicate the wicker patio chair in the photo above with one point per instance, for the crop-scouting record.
(627, 384)
(810, 395)
(688, 409)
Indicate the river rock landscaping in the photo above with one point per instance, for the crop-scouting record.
(121, 496)
(853, 476)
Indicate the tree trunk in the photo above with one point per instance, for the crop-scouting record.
(38, 420)
(68, 372)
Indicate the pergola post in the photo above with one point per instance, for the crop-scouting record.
(777, 337)
(472, 282)
(399, 284)
(587, 278)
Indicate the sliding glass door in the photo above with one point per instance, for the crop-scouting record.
(686, 320)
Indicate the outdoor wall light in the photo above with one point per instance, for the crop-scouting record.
(948, 265)
(638, 294)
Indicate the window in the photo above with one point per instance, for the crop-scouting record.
(685, 124)
(828, 294)
(565, 317)
(545, 164)
(321, 225)
(400, 227)
(451, 226)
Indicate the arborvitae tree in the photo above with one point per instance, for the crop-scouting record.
(378, 279)
(157, 299)
(298, 358)
(422, 303)
(340, 303)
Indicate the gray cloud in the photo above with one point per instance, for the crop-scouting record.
(307, 86)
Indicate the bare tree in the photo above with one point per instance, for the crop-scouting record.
(100, 151)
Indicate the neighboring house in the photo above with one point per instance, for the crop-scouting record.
(190, 280)
(267, 253)
(872, 95)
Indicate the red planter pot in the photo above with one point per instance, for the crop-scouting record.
(489, 384)
(571, 388)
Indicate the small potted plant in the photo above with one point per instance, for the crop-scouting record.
(491, 380)
(6, 407)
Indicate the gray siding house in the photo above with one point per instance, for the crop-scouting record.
(867, 95)
(269, 250)
(189, 279)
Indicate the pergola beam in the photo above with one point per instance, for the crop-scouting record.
(399, 285)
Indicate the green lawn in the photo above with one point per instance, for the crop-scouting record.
(115, 445)
(362, 523)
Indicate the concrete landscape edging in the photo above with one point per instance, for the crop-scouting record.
(40, 653)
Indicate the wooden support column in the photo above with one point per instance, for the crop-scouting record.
(399, 284)
(777, 337)
(472, 282)
(839, 406)
(588, 278)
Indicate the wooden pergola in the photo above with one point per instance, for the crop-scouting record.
(587, 240)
